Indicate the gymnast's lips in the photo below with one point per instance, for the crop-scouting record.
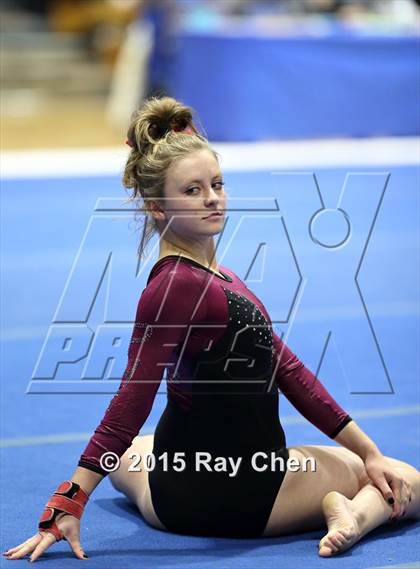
(214, 214)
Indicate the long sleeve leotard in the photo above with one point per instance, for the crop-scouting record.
(210, 333)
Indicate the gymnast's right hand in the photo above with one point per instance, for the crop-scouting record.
(60, 520)
(41, 541)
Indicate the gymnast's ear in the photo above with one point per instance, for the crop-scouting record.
(155, 209)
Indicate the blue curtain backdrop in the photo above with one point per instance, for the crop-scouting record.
(259, 88)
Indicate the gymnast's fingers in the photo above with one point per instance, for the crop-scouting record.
(23, 548)
(47, 540)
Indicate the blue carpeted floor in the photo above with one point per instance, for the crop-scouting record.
(355, 315)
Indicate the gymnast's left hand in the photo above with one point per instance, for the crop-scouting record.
(393, 486)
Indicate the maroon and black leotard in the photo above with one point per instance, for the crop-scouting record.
(225, 367)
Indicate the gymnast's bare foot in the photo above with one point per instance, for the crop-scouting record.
(343, 528)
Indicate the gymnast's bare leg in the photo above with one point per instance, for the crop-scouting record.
(135, 485)
(338, 493)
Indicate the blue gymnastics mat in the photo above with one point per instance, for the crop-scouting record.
(354, 318)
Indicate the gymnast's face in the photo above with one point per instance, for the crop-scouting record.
(194, 190)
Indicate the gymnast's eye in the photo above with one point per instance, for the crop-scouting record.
(219, 186)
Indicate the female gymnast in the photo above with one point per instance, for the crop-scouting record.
(218, 463)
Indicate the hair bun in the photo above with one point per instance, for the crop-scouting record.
(155, 119)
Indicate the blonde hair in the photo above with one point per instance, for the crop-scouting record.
(154, 146)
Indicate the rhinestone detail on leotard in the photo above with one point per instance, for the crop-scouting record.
(248, 315)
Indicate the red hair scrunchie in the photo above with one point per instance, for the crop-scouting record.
(185, 130)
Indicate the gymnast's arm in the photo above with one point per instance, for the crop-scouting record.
(306, 393)
(164, 313)
(162, 320)
(313, 401)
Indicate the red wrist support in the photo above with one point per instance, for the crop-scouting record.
(68, 498)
